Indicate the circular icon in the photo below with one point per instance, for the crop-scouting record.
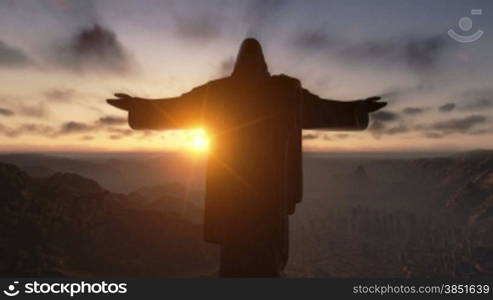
(465, 23)
(11, 290)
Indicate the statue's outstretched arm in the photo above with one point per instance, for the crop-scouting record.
(180, 112)
(321, 113)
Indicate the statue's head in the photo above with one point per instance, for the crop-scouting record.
(250, 62)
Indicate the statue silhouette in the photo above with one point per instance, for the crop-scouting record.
(254, 173)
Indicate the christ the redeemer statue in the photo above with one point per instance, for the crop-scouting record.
(254, 173)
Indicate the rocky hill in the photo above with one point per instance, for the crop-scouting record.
(67, 225)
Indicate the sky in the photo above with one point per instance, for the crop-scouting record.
(60, 59)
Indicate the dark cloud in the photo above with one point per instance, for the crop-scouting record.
(106, 123)
(459, 125)
(28, 128)
(112, 120)
(472, 125)
(6, 112)
(396, 93)
(420, 53)
(424, 52)
(448, 107)
(40, 129)
(59, 95)
(414, 110)
(313, 41)
(377, 125)
(379, 128)
(434, 135)
(115, 137)
(95, 48)
(25, 107)
(478, 104)
(385, 116)
(121, 131)
(481, 131)
(477, 100)
(417, 53)
(198, 27)
(38, 110)
(75, 127)
(12, 57)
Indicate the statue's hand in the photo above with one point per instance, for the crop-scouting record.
(373, 104)
(124, 101)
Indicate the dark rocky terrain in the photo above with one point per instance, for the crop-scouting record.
(360, 217)
(67, 225)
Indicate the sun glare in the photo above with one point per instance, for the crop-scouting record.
(199, 141)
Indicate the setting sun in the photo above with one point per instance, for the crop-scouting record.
(199, 141)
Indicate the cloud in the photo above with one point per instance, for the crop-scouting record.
(458, 125)
(434, 135)
(115, 137)
(384, 116)
(448, 107)
(104, 123)
(94, 48)
(399, 92)
(477, 100)
(59, 95)
(87, 138)
(471, 125)
(38, 110)
(418, 53)
(313, 41)
(121, 131)
(112, 120)
(75, 127)
(28, 128)
(478, 104)
(24, 107)
(6, 112)
(379, 128)
(414, 110)
(12, 57)
(6, 131)
(309, 136)
(198, 27)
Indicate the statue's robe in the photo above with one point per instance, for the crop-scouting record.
(254, 170)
